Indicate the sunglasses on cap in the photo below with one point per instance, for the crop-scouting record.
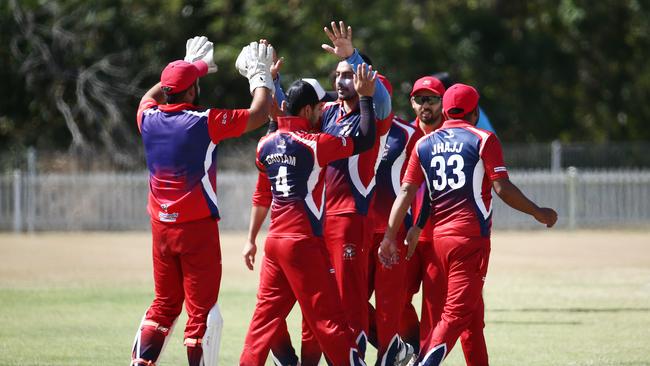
(431, 99)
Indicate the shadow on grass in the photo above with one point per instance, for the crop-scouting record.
(571, 310)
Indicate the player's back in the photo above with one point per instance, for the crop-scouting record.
(296, 182)
(460, 191)
(177, 149)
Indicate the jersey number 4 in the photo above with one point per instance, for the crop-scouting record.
(281, 184)
(441, 180)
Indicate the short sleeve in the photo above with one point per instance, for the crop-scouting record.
(330, 148)
(226, 123)
(145, 104)
(492, 156)
(414, 174)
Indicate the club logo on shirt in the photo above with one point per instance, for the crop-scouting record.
(281, 146)
(224, 119)
(349, 251)
(164, 207)
(450, 134)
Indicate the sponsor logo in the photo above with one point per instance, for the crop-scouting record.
(167, 217)
(450, 134)
(349, 251)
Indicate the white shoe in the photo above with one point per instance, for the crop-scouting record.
(405, 355)
(413, 361)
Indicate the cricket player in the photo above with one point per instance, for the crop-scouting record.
(180, 141)
(472, 339)
(426, 101)
(461, 164)
(296, 265)
(388, 283)
(349, 186)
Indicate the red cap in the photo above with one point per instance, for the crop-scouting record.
(387, 84)
(428, 83)
(459, 96)
(180, 75)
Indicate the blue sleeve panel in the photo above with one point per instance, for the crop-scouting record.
(484, 121)
(381, 97)
(279, 93)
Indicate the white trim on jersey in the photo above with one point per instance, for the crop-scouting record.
(207, 163)
(484, 136)
(396, 169)
(313, 178)
(150, 111)
(477, 187)
(353, 168)
(197, 113)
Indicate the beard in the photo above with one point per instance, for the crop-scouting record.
(428, 117)
(345, 90)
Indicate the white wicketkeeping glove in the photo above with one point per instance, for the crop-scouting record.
(242, 61)
(257, 58)
(199, 48)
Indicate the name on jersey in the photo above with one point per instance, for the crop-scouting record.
(444, 147)
(280, 159)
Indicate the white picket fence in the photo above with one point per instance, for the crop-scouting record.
(117, 201)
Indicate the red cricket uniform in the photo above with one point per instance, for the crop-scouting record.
(296, 264)
(458, 162)
(388, 283)
(348, 231)
(180, 142)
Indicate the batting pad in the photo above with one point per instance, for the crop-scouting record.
(212, 337)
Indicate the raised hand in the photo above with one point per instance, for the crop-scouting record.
(254, 62)
(364, 80)
(341, 38)
(200, 48)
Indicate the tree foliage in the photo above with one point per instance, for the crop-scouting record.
(73, 71)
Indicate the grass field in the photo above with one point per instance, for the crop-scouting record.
(552, 298)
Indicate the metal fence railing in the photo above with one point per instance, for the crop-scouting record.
(117, 201)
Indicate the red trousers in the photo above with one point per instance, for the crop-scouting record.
(186, 267)
(452, 296)
(390, 293)
(409, 322)
(347, 237)
(298, 269)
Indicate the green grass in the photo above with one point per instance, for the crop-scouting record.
(557, 313)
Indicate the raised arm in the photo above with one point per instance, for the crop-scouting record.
(341, 37)
(154, 93)
(254, 62)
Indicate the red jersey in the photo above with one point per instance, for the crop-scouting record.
(180, 145)
(291, 179)
(458, 162)
(351, 181)
(397, 149)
